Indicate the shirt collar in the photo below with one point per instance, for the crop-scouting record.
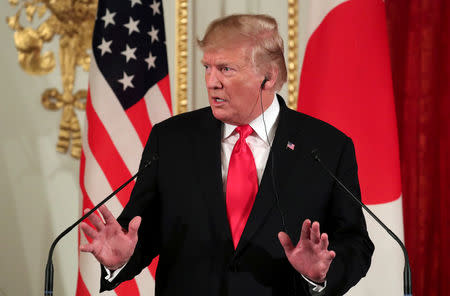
(270, 117)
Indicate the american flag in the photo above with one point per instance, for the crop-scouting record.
(128, 92)
(290, 145)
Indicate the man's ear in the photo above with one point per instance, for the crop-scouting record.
(270, 79)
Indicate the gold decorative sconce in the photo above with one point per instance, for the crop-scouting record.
(73, 21)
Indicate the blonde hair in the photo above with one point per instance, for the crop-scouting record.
(260, 31)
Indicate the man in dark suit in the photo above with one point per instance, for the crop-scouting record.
(233, 184)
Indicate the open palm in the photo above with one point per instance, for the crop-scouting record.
(111, 245)
(310, 257)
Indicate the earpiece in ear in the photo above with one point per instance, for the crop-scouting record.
(264, 82)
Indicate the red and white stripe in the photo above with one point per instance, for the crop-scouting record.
(113, 142)
(346, 81)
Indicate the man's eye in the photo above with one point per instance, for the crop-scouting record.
(206, 67)
(226, 69)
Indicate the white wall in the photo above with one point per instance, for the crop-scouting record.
(38, 186)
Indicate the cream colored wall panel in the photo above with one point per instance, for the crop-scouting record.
(236, 6)
(39, 187)
(203, 12)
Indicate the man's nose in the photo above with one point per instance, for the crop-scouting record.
(212, 81)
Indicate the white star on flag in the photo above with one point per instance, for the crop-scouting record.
(155, 7)
(150, 61)
(108, 18)
(132, 26)
(154, 34)
(105, 46)
(129, 53)
(126, 81)
(133, 2)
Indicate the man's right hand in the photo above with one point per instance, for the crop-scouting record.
(111, 245)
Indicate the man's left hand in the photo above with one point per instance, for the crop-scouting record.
(310, 257)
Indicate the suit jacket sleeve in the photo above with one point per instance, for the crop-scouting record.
(347, 229)
(143, 202)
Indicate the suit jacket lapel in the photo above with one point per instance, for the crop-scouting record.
(208, 159)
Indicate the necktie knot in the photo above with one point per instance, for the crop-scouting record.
(244, 131)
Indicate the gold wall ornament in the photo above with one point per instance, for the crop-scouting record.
(73, 21)
(292, 53)
(181, 54)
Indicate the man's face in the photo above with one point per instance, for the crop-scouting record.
(233, 84)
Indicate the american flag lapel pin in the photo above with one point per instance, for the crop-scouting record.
(290, 145)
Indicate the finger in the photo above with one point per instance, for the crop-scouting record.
(315, 232)
(95, 220)
(88, 230)
(306, 230)
(286, 242)
(331, 255)
(324, 241)
(107, 215)
(134, 226)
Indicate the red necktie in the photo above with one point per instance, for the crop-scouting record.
(242, 184)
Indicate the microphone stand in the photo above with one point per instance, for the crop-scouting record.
(407, 283)
(48, 289)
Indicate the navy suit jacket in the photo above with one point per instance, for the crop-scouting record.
(181, 201)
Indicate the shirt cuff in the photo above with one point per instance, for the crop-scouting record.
(316, 287)
(111, 275)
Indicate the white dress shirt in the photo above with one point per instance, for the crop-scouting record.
(259, 141)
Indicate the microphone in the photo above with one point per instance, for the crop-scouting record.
(407, 284)
(48, 288)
